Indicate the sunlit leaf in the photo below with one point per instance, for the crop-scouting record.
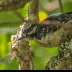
(42, 15)
(24, 10)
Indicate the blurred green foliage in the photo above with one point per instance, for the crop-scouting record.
(41, 56)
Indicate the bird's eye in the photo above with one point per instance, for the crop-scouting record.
(27, 26)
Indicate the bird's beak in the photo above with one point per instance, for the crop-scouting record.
(20, 38)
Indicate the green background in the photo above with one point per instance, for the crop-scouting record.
(41, 56)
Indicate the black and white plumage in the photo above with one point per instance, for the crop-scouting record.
(46, 35)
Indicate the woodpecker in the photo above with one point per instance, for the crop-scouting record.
(47, 35)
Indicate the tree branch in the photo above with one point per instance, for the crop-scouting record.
(61, 8)
(21, 49)
(63, 61)
(5, 4)
(33, 11)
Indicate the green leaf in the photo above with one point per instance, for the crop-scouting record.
(12, 18)
(24, 10)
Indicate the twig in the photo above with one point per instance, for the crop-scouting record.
(61, 8)
(5, 58)
(68, 26)
(11, 23)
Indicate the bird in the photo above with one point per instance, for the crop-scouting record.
(49, 35)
